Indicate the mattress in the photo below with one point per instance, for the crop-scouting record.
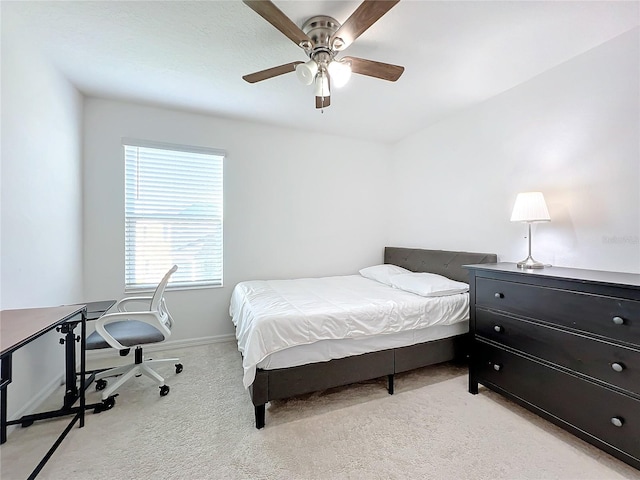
(275, 315)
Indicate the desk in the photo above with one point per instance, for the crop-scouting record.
(20, 327)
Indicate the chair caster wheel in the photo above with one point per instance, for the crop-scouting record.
(179, 367)
(101, 384)
(106, 405)
(164, 390)
(26, 423)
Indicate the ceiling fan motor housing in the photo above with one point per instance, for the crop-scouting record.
(320, 29)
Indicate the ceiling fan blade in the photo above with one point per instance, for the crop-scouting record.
(368, 13)
(323, 102)
(385, 71)
(272, 14)
(271, 72)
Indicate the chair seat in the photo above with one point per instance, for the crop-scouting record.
(128, 332)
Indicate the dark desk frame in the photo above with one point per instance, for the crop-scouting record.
(66, 320)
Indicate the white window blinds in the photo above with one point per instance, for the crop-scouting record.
(173, 214)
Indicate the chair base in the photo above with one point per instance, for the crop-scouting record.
(125, 372)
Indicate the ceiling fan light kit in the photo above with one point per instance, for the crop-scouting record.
(322, 38)
(340, 72)
(322, 85)
(307, 72)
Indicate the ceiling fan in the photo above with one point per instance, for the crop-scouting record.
(322, 38)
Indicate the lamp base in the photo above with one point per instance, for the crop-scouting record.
(529, 262)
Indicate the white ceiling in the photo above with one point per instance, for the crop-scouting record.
(192, 55)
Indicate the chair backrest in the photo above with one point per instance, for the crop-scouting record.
(158, 295)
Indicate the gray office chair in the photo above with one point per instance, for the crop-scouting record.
(125, 329)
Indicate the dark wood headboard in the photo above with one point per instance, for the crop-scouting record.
(442, 262)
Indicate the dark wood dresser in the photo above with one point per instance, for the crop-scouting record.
(564, 343)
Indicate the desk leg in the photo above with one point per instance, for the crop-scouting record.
(5, 381)
(83, 364)
(71, 389)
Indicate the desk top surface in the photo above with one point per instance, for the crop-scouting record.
(96, 309)
(18, 327)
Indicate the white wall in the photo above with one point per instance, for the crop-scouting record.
(41, 222)
(571, 132)
(296, 204)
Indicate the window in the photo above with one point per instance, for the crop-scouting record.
(173, 214)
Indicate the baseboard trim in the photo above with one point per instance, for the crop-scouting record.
(36, 401)
(168, 345)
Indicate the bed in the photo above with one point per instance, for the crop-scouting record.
(359, 329)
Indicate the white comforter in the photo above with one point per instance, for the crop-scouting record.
(273, 315)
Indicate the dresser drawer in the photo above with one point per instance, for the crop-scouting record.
(613, 364)
(611, 417)
(611, 317)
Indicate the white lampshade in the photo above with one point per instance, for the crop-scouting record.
(306, 72)
(322, 85)
(340, 73)
(530, 207)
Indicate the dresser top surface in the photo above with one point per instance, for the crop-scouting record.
(564, 273)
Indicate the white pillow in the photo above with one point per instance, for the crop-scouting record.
(428, 284)
(383, 273)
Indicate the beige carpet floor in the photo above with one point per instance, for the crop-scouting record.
(204, 429)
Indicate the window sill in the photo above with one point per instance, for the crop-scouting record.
(170, 288)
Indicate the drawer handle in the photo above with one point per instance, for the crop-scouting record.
(498, 328)
(497, 367)
(618, 320)
(498, 295)
(618, 367)
(617, 421)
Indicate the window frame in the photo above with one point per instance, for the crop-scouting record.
(184, 149)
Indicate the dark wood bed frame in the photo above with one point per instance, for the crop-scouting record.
(288, 382)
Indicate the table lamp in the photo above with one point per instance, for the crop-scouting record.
(530, 207)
